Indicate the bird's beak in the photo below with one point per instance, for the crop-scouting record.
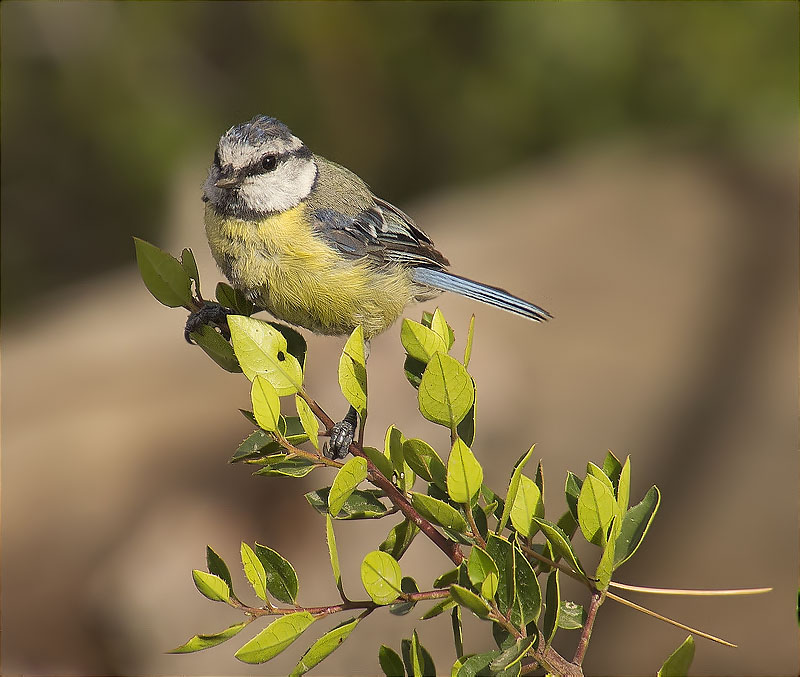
(228, 177)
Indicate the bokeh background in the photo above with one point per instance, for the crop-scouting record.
(632, 167)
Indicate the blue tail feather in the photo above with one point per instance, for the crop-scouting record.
(500, 298)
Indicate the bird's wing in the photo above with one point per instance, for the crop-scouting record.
(381, 232)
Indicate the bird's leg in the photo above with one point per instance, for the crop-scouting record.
(209, 313)
(342, 435)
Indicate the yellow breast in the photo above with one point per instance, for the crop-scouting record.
(287, 269)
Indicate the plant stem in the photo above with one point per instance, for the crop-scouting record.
(586, 633)
(475, 532)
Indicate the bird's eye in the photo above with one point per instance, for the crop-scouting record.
(217, 162)
(268, 163)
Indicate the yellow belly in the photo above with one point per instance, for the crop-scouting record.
(287, 270)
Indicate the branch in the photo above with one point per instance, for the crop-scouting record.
(586, 632)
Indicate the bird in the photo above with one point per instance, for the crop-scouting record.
(305, 239)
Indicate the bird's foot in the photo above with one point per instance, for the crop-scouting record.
(342, 435)
(210, 313)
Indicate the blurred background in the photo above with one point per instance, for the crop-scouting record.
(632, 167)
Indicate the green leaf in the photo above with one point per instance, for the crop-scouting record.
(288, 467)
(266, 404)
(420, 342)
(624, 488)
(439, 325)
(417, 660)
(361, 504)
(466, 429)
(401, 607)
(424, 461)
(527, 505)
(679, 661)
(217, 348)
(353, 372)
(560, 543)
(458, 630)
(325, 646)
(438, 512)
(200, 642)
(513, 654)
(470, 600)
(211, 586)
(572, 489)
(599, 474)
(596, 508)
(390, 661)
(281, 576)
(447, 578)
(380, 461)
(528, 603)
(605, 567)
(234, 299)
(262, 350)
(552, 606)
(349, 476)
(381, 577)
(476, 665)
(276, 637)
(308, 420)
(468, 348)
(413, 370)
(163, 275)
(189, 265)
(393, 445)
(483, 573)
(446, 393)
(330, 537)
(216, 565)
(612, 468)
(635, 526)
(464, 474)
(572, 616)
(254, 570)
(513, 487)
(399, 539)
(440, 607)
(501, 551)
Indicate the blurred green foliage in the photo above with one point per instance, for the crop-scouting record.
(103, 102)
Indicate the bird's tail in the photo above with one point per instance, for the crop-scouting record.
(493, 296)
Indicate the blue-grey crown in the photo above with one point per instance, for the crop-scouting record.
(259, 130)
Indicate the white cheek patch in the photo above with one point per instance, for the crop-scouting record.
(281, 189)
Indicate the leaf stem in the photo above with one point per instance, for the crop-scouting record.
(586, 633)
(690, 593)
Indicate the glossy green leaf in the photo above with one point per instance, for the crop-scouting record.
(276, 637)
(349, 476)
(281, 577)
(324, 646)
(439, 325)
(447, 578)
(527, 505)
(390, 662)
(612, 468)
(200, 642)
(513, 487)
(468, 348)
(380, 461)
(501, 551)
(353, 372)
(560, 543)
(528, 601)
(308, 420)
(211, 586)
(440, 607)
(393, 448)
(217, 348)
(399, 539)
(420, 342)
(572, 616)
(552, 606)
(483, 573)
(163, 275)
(288, 467)
(330, 537)
(470, 600)
(466, 428)
(361, 504)
(257, 444)
(599, 474)
(635, 526)
(262, 350)
(438, 512)
(266, 404)
(476, 665)
(189, 265)
(401, 607)
(381, 577)
(216, 565)
(679, 661)
(413, 370)
(513, 654)
(254, 570)
(234, 299)
(596, 508)
(295, 343)
(417, 660)
(605, 567)
(455, 622)
(624, 488)
(424, 461)
(572, 489)
(446, 392)
(464, 474)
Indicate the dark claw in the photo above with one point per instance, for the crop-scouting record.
(342, 435)
(210, 313)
